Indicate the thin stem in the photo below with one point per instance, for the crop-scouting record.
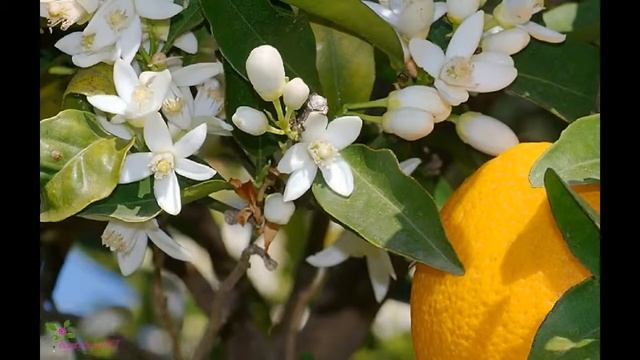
(366, 105)
(161, 302)
(453, 118)
(278, 106)
(276, 131)
(365, 117)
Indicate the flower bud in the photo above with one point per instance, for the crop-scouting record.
(408, 123)
(266, 72)
(458, 10)
(508, 41)
(415, 18)
(295, 93)
(485, 133)
(250, 120)
(278, 211)
(420, 97)
(410, 165)
(516, 12)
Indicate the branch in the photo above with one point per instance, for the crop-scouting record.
(161, 301)
(216, 318)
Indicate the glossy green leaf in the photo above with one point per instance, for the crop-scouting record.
(571, 331)
(94, 80)
(239, 26)
(135, 202)
(389, 209)
(581, 20)
(566, 85)
(186, 20)
(51, 326)
(89, 176)
(575, 220)
(239, 92)
(356, 18)
(575, 156)
(345, 65)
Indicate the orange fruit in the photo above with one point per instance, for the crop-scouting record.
(517, 265)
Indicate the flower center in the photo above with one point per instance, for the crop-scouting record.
(114, 241)
(161, 165)
(457, 72)
(141, 96)
(87, 41)
(65, 13)
(322, 152)
(173, 106)
(117, 19)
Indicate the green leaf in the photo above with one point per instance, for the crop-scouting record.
(94, 80)
(182, 23)
(239, 92)
(581, 20)
(89, 176)
(562, 78)
(51, 326)
(576, 318)
(356, 18)
(575, 156)
(66, 323)
(442, 192)
(575, 220)
(239, 26)
(55, 337)
(135, 202)
(85, 163)
(69, 335)
(345, 65)
(389, 209)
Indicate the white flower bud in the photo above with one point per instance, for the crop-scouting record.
(408, 123)
(250, 120)
(278, 211)
(295, 93)
(458, 10)
(485, 133)
(266, 72)
(508, 41)
(415, 18)
(420, 97)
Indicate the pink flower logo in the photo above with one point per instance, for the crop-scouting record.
(61, 331)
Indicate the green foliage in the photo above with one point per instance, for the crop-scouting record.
(94, 80)
(575, 156)
(389, 209)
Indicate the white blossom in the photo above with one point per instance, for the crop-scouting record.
(266, 72)
(408, 123)
(295, 93)
(250, 120)
(278, 211)
(485, 133)
(518, 13)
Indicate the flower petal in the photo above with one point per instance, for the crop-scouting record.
(343, 131)
(119, 130)
(195, 74)
(131, 260)
(427, 55)
(454, 95)
(467, 37)
(108, 103)
(156, 134)
(85, 60)
(493, 57)
(295, 158)
(300, 181)
(190, 142)
(439, 9)
(385, 13)
(158, 83)
(130, 39)
(489, 76)
(331, 256)
(410, 165)
(157, 10)
(508, 41)
(338, 176)
(216, 126)
(543, 33)
(187, 42)
(192, 170)
(135, 167)
(125, 79)
(167, 193)
(70, 44)
(380, 270)
(168, 245)
(314, 127)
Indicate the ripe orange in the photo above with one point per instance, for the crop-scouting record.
(517, 266)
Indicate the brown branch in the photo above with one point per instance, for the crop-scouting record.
(216, 317)
(160, 300)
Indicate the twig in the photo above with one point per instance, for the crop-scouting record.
(216, 320)
(161, 302)
(304, 297)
